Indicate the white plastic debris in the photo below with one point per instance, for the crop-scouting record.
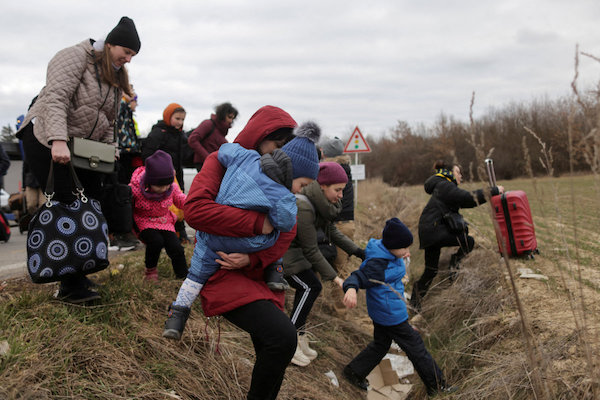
(332, 378)
(527, 273)
(4, 348)
(401, 364)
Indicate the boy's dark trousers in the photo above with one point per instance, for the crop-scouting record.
(410, 342)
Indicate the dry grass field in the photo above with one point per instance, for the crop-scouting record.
(489, 346)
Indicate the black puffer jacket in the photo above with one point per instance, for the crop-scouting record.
(446, 196)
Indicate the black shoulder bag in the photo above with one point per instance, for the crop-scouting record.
(66, 239)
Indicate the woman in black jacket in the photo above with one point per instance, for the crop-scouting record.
(446, 197)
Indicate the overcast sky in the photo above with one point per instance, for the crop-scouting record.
(340, 63)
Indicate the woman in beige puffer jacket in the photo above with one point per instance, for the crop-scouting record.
(84, 84)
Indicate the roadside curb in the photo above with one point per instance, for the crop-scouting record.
(18, 270)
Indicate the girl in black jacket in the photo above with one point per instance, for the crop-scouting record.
(434, 234)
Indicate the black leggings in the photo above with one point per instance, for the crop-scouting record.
(274, 339)
(432, 258)
(308, 286)
(155, 240)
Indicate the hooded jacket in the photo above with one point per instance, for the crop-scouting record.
(208, 137)
(385, 306)
(245, 185)
(227, 290)
(73, 103)
(446, 197)
(304, 252)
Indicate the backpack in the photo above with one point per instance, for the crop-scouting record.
(187, 153)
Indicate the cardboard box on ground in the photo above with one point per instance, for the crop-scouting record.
(384, 383)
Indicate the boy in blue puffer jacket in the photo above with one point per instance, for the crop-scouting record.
(384, 262)
(264, 183)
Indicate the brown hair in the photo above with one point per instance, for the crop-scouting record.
(117, 78)
(443, 164)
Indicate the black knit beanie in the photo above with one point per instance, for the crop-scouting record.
(125, 34)
(396, 235)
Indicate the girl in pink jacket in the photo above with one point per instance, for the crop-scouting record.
(154, 192)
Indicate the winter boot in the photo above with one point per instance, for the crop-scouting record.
(274, 277)
(453, 267)
(361, 383)
(300, 359)
(311, 354)
(175, 322)
(151, 275)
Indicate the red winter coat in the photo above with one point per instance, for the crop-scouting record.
(208, 137)
(227, 290)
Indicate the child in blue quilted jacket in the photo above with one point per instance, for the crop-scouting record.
(384, 262)
(253, 182)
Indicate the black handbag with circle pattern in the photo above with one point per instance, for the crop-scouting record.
(66, 239)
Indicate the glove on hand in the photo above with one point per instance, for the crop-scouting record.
(360, 253)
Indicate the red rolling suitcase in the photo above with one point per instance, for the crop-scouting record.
(4, 228)
(513, 214)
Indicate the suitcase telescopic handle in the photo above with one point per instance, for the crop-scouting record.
(489, 166)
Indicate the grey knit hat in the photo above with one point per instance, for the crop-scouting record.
(332, 147)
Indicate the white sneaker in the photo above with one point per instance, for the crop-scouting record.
(311, 354)
(299, 358)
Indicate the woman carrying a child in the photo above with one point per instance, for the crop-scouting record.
(318, 206)
(238, 290)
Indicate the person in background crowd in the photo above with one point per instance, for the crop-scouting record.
(32, 193)
(238, 290)
(434, 234)
(384, 262)
(211, 133)
(333, 150)
(154, 191)
(4, 165)
(130, 148)
(318, 206)
(167, 135)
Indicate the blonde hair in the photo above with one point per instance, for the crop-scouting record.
(117, 78)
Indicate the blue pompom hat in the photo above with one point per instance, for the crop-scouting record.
(303, 151)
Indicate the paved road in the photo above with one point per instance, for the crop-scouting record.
(13, 254)
(12, 261)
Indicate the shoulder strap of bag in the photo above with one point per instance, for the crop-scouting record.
(105, 97)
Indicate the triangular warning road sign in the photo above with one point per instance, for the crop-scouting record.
(357, 143)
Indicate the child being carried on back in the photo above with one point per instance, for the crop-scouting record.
(254, 182)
